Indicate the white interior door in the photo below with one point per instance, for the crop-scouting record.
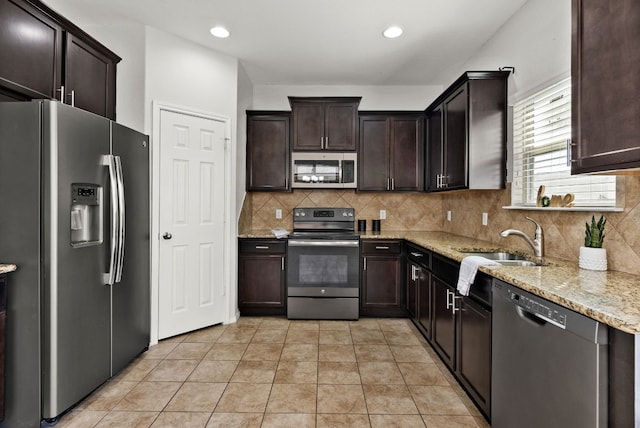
(191, 291)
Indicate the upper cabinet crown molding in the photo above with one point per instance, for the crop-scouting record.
(605, 85)
(44, 55)
(467, 133)
(324, 123)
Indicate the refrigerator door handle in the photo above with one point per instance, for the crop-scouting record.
(121, 222)
(109, 276)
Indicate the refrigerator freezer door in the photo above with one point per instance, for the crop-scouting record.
(76, 303)
(131, 296)
(20, 243)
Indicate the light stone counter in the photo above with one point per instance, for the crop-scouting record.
(6, 268)
(610, 297)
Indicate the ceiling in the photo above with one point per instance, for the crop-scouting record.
(322, 42)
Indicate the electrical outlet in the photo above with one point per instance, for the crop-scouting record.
(383, 214)
(485, 219)
(278, 213)
(448, 215)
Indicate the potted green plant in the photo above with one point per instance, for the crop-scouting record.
(592, 255)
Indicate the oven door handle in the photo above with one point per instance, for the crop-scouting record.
(323, 243)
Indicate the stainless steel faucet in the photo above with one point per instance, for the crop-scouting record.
(537, 244)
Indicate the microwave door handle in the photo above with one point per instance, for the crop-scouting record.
(340, 166)
(109, 162)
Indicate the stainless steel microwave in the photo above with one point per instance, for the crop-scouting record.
(324, 170)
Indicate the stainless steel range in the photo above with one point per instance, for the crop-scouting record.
(323, 259)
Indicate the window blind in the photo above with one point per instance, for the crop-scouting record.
(541, 152)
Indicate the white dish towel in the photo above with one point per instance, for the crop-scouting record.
(468, 269)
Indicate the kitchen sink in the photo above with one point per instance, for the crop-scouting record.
(503, 257)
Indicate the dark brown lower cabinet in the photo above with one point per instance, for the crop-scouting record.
(444, 322)
(473, 356)
(382, 293)
(461, 329)
(425, 308)
(261, 277)
(412, 290)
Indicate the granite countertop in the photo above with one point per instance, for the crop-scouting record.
(610, 297)
(6, 268)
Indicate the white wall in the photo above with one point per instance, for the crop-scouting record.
(274, 97)
(127, 40)
(536, 41)
(188, 75)
(245, 101)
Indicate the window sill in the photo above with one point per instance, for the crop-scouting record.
(596, 209)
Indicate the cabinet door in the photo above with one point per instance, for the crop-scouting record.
(268, 160)
(407, 154)
(434, 148)
(308, 126)
(425, 307)
(30, 51)
(382, 286)
(455, 140)
(413, 278)
(261, 282)
(373, 157)
(90, 78)
(605, 106)
(340, 126)
(444, 331)
(474, 351)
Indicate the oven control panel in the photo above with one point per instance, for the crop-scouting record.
(331, 214)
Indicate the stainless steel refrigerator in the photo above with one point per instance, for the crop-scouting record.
(74, 217)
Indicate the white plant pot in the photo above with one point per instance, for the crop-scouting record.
(593, 258)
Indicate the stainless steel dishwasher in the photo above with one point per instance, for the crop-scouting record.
(549, 364)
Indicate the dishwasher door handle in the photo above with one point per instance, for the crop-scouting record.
(537, 319)
(529, 317)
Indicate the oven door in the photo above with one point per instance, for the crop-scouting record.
(323, 268)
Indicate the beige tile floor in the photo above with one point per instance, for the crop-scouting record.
(272, 372)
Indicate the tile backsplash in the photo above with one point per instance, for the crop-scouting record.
(563, 230)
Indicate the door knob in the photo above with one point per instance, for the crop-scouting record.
(167, 235)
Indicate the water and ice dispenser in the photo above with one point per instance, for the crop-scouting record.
(86, 214)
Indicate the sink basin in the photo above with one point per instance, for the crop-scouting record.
(498, 255)
(503, 257)
(518, 263)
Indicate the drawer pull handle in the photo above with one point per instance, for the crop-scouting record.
(262, 247)
(382, 247)
(414, 254)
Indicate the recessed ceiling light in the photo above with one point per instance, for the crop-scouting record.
(392, 32)
(220, 32)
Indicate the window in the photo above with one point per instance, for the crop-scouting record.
(541, 153)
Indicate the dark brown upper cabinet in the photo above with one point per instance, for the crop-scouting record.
(391, 151)
(90, 76)
(43, 55)
(605, 85)
(324, 123)
(268, 151)
(467, 132)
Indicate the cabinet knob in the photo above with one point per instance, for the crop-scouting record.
(167, 236)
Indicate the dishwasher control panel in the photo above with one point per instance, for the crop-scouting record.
(538, 308)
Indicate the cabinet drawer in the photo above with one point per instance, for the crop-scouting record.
(480, 290)
(262, 246)
(445, 269)
(419, 255)
(374, 246)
